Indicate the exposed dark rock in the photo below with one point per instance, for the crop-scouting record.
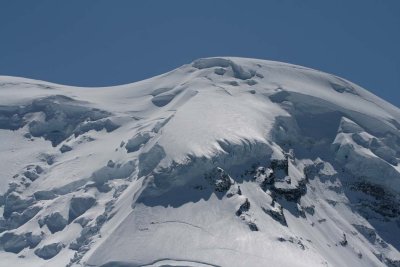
(279, 180)
(219, 179)
(234, 190)
(385, 204)
(252, 226)
(82, 244)
(293, 241)
(343, 242)
(276, 214)
(280, 164)
(377, 191)
(65, 148)
(264, 177)
(245, 206)
(291, 194)
(239, 191)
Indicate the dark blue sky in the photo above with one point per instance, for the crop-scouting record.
(99, 43)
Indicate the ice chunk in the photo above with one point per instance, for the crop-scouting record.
(48, 251)
(79, 205)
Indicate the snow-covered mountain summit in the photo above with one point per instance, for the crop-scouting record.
(221, 162)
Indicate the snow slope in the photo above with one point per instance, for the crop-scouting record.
(221, 162)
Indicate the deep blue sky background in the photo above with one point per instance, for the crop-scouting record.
(100, 43)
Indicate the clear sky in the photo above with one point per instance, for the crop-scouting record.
(100, 43)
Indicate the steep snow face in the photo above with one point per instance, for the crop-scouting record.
(221, 162)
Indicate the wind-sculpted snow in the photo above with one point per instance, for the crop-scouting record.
(221, 162)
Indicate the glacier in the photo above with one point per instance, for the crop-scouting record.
(221, 162)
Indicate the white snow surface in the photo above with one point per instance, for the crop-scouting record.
(188, 169)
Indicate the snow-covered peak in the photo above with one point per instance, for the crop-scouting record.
(220, 162)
